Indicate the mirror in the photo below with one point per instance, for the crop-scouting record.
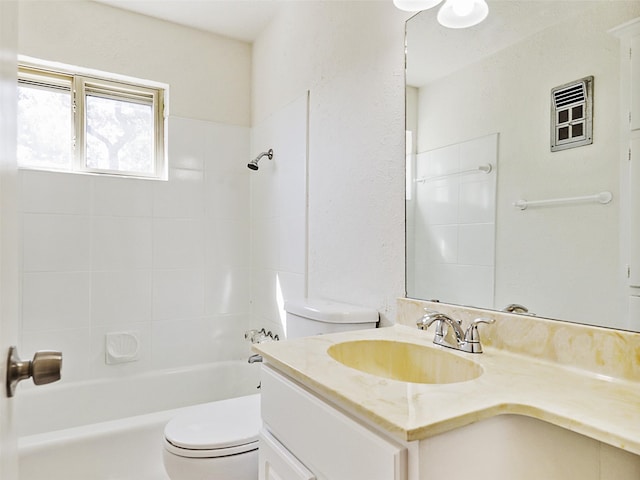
(479, 135)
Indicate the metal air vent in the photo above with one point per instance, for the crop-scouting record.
(572, 114)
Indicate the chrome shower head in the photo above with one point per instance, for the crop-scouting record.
(253, 164)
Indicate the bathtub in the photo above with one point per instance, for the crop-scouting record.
(112, 429)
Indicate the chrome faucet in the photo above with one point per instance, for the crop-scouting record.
(450, 334)
(255, 358)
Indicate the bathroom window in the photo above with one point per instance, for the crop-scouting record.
(82, 123)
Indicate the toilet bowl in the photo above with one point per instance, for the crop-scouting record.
(219, 440)
(214, 441)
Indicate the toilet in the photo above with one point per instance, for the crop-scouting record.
(219, 440)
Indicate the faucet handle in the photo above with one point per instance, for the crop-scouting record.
(483, 320)
(515, 308)
(473, 336)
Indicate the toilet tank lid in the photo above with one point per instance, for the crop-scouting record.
(330, 311)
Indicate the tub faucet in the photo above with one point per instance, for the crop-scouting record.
(450, 334)
(255, 358)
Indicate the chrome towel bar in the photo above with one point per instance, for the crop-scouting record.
(602, 197)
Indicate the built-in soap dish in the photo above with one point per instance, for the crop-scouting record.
(122, 347)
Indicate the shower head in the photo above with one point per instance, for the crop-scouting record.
(253, 164)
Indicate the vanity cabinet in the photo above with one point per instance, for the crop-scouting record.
(629, 36)
(305, 438)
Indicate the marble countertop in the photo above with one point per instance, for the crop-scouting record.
(604, 408)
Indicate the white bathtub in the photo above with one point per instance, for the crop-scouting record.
(104, 430)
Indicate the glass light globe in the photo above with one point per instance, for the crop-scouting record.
(415, 5)
(462, 13)
(462, 8)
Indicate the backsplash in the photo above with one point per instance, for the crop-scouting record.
(601, 351)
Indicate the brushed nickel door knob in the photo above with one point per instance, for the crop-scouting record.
(45, 368)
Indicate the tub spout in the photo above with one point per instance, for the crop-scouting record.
(255, 358)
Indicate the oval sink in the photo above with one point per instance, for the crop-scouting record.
(405, 362)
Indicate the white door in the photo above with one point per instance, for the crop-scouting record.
(9, 252)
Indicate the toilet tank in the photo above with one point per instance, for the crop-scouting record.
(310, 316)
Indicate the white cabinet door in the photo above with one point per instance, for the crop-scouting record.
(331, 444)
(277, 463)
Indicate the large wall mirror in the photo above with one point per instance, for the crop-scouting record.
(479, 140)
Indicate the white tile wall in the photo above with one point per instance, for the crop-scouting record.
(122, 197)
(48, 192)
(178, 242)
(121, 243)
(232, 239)
(180, 197)
(228, 289)
(227, 195)
(56, 300)
(455, 221)
(476, 244)
(56, 242)
(121, 296)
(178, 293)
(169, 261)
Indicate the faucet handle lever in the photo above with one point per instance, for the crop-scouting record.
(432, 316)
(472, 335)
(483, 320)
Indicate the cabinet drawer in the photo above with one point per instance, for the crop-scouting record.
(277, 463)
(329, 443)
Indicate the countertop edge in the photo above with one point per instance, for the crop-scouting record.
(501, 403)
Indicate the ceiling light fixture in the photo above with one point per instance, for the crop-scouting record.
(453, 14)
(415, 5)
(462, 13)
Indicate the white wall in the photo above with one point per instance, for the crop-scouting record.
(167, 260)
(209, 75)
(542, 251)
(350, 56)
(279, 214)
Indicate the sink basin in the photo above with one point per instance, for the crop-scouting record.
(405, 362)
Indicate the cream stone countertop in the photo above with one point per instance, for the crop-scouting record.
(601, 407)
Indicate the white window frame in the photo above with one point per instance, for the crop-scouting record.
(103, 85)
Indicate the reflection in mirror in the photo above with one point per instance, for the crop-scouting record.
(482, 96)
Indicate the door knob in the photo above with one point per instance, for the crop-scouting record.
(44, 368)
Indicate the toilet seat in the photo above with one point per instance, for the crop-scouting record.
(216, 429)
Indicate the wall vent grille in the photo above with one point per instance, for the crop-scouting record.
(572, 114)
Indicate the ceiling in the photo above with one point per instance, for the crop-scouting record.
(240, 19)
(509, 22)
(443, 50)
